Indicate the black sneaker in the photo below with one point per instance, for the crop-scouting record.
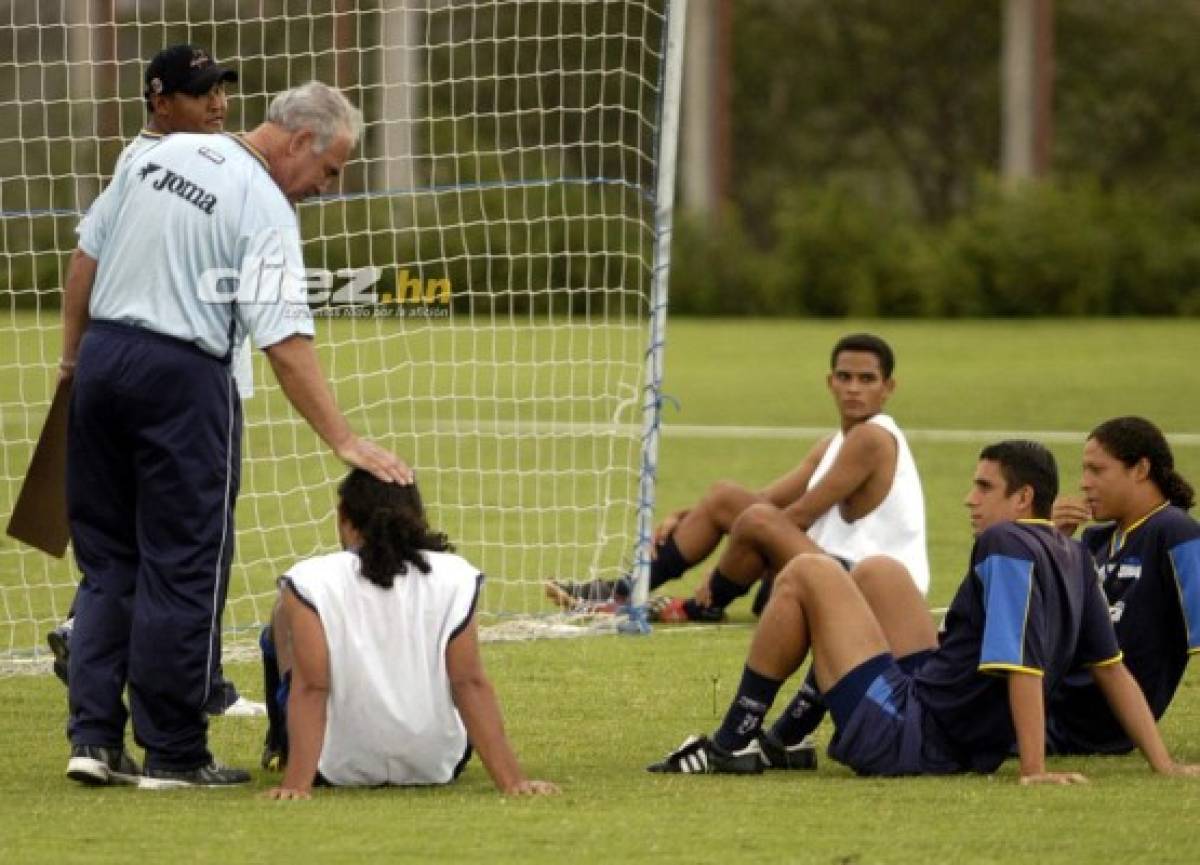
(697, 613)
(776, 755)
(212, 775)
(592, 596)
(699, 755)
(59, 641)
(98, 766)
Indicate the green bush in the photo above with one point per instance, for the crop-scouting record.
(1057, 248)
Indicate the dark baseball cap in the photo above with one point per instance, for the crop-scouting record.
(185, 69)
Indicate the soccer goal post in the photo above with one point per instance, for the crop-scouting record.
(492, 296)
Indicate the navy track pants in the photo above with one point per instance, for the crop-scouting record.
(153, 468)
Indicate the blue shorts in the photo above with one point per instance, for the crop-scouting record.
(881, 727)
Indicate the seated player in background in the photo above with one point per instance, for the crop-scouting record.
(906, 702)
(856, 493)
(379, 678)
(1148, 552)
(185, 92)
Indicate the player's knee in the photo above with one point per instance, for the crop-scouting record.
(884, 581)
(804, 574)
(757, 521)
(728, 498)
(880, 569)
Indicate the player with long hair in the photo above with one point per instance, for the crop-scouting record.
(1148, 549)
(372, 659)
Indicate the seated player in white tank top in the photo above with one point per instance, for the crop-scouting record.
(379, 678)
(855, 494)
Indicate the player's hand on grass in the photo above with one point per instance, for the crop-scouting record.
(370, 457)
(703, 593)
(531, 788)
(1069, 513)
(1059, 778)
(1182, 770)
(287, 793)
(664, 529)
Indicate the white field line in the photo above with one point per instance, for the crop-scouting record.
(695, 431)
(26, 432)
(915, 435)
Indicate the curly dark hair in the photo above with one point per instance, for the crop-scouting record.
(1130, 439)
(391, 519)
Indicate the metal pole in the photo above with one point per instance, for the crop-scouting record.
(652, 392)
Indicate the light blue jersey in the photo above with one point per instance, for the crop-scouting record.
(104, 201)
(182, 216)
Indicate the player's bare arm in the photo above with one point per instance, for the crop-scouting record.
(300, 628)
(788, 488)
(781, 492)
(294, 361)
(77, 294)
(857, 481)
(1027, 704)
(1128, 705)
(476, 702)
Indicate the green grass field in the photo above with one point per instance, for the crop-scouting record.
(591, 713)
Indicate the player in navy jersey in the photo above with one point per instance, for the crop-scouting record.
(1148, 551)
(906, 701)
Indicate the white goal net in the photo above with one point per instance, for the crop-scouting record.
(511, 196)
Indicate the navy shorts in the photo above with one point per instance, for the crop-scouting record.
(880, 725)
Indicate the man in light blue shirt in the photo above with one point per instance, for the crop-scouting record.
(185, 92)
(154, 431)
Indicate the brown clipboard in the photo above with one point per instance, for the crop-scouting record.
(39, 517)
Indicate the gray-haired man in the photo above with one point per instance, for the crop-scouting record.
(153, 438)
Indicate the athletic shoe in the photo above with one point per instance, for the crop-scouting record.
(664, 609)
(98, 766)
(776, 755)
(212, 775)
(243, 708)
(59, 641)
(696, 612)
(699, 755)
(594, 596)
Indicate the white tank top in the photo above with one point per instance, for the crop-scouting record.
(390, 713)
(895, 528)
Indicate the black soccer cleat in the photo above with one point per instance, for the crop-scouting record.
(212, 775)
(696, 612)
(592, 596)
(59, 641)
(699, 755)
(97, 766)
(776, 755)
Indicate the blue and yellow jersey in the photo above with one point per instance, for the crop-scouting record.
(1151, 578)
(1030, 604)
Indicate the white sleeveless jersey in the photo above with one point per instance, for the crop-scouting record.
(895, 528)
(390, 714)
